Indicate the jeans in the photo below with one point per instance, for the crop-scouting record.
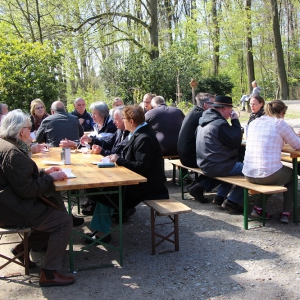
(237, 195)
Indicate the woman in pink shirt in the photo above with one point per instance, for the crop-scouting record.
(262, 163)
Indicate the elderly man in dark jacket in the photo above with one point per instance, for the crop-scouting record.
(216, 146)
(166, 122)
(58, 126)
(85, 118)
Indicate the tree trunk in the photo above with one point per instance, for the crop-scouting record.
(215, 38)
(249, 49)
(154, 52)
(282, 78)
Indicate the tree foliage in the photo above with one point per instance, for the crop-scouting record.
(28, 71)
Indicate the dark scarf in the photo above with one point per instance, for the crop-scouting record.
(37, 121)
(253, 116)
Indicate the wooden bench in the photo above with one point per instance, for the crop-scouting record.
(238, 181)
(20, 231)
(170, 208)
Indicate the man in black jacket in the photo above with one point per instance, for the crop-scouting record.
(186, 146)
(84, 117)
(216, 146)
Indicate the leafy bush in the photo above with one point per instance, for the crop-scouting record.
(28, 71)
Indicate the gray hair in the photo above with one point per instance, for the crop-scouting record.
(101, 107)
(58, 106)
(1, 106)
(13, 123)
(158, 100)
(119, 110)
(202, 98)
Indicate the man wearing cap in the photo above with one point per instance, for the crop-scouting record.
(216, 147)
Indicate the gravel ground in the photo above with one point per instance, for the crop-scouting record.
(218, 259)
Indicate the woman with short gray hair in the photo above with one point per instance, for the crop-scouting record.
(21, 184)
(104, 125)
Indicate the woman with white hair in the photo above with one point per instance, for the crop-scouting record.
(104, 125)
(21, 183)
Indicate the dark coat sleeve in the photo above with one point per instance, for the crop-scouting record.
(23, 176)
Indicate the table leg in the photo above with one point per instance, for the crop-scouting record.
(71, 252)
(121, 225)
(295, 168)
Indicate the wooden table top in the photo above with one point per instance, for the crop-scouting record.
(87, 174)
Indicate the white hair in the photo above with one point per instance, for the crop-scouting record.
(13, 123)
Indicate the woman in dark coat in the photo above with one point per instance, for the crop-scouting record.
(142, 154)
(21, 183)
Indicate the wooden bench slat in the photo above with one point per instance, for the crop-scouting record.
(167, 207)
(239, 181)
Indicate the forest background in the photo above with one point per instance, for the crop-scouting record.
(100, 49)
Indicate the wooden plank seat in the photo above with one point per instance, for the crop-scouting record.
(238, 181)
(287, 158)
(20, 231)
(170, 208)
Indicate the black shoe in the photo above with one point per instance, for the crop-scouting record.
(94, 237)
(190, 185)
(232, 207)
(87, 202)
(77, 221)
(126, 215)
(218, 200)
(89, 210)
(197, 191)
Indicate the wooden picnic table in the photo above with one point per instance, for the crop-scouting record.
(88, 175)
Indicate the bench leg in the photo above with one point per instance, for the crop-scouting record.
(176, 233)
(246, 209)
(152, 230)
(264, 209)
(26, 253)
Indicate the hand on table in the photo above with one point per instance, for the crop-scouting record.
(58, 176)
(67, 144)
(85, 139)
(52, 169)
(113, 157)
(37, 148)
(96, 149)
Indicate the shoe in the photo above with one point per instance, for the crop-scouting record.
(197, 192)
(77, 221)
(257, 212)
(232, 206)
(243, 109)
(87, 202)
(188, 179)
(284, 217)
(89, 210)
(190, 185)
(52, 278)
(19, 248)
(45, 248)
(126, 216)
(218, 200)
(94, 237)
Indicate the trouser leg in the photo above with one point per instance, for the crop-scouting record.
(101, 220)
(59, 226)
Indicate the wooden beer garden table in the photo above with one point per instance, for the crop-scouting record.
(88, 176)
(294, 154)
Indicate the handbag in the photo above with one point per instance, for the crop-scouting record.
(49, 202)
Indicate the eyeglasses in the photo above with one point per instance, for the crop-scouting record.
(40, 107)
(29, 127)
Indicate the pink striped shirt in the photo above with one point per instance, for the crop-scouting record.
(265, 139)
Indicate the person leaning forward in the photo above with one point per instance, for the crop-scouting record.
(216, 147)
(21, 183)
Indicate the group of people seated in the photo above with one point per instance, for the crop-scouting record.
(216, 149)
(136, 138)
